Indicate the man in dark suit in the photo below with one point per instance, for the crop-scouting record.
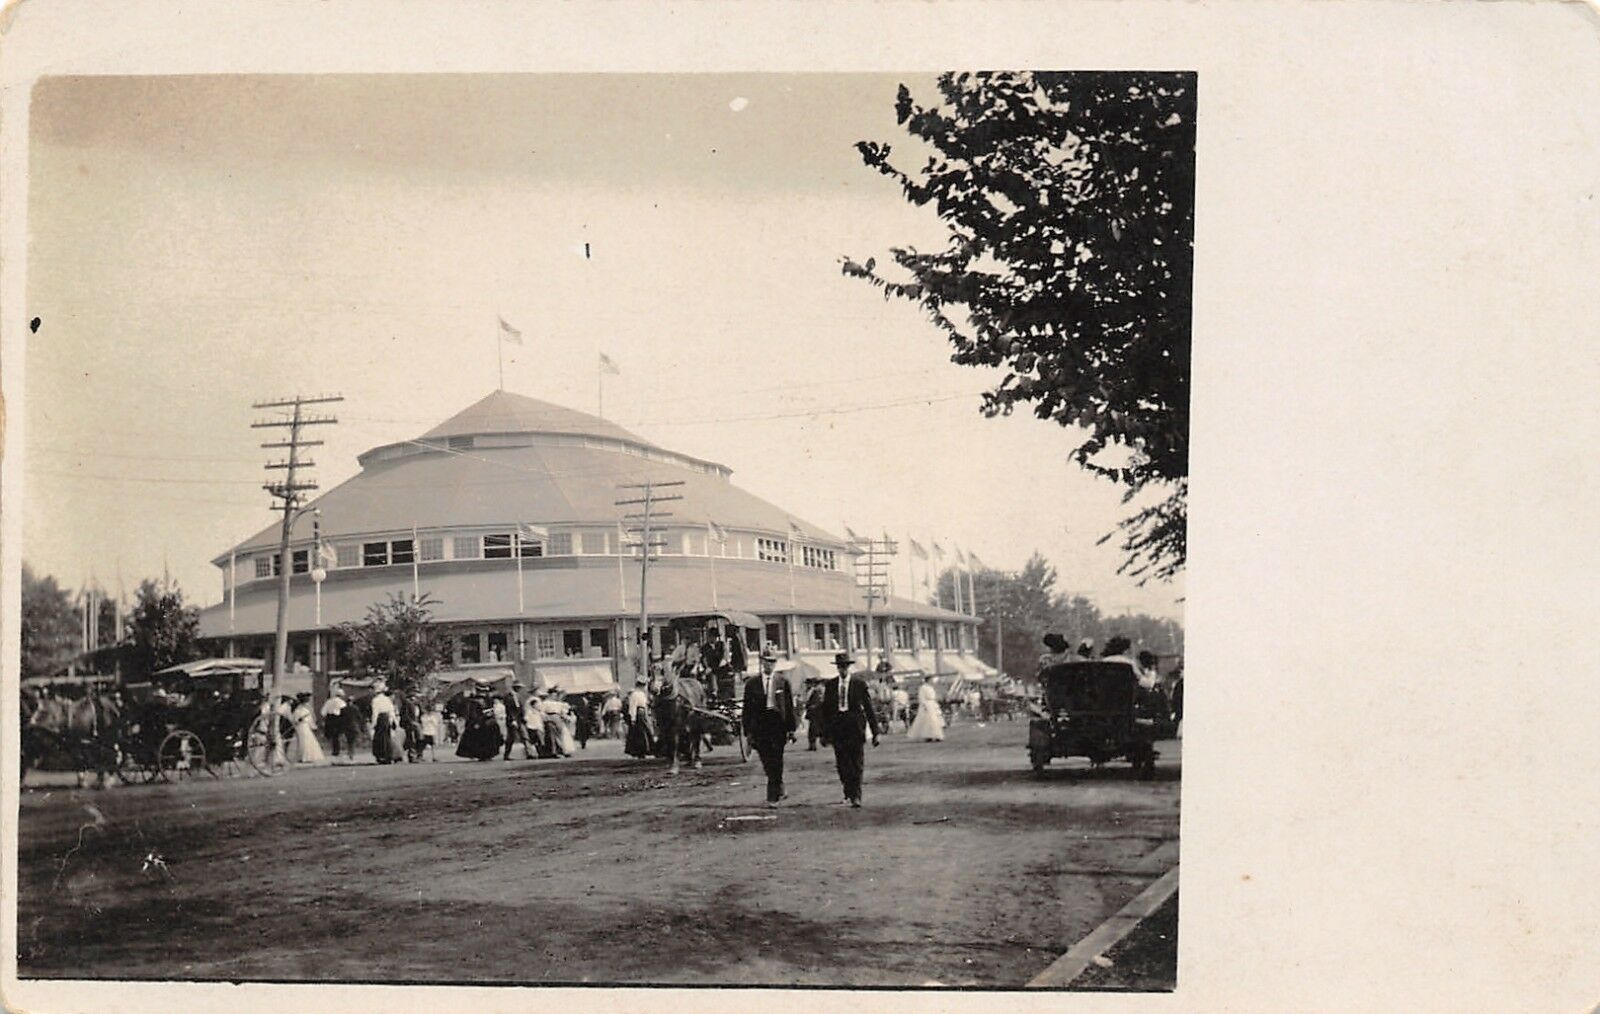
(516, 724)
(848, 715)
(770, 720)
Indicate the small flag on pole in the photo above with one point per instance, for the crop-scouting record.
(327, 556)
(917, 550)
(717, 533)
(938, 550)
(532, 533)
(509, 333)
(607, 366)
(852, 536)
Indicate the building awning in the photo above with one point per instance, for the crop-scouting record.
(906, 664)
(201, 668)
(963, 665)
(465, 678)
(586, 676)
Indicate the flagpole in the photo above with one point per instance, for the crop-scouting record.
(500, 352)
(416, 553)
(712, 557)
(622, 581)
(516, 550)
(600, 389)
(233, 582)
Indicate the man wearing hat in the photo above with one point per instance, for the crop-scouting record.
(516, 724)
(847, 712)
(770, 720)
(336, 722)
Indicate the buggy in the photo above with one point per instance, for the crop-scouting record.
(1097, 709)
(201, 717)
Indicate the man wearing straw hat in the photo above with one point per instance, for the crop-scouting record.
(770, 720)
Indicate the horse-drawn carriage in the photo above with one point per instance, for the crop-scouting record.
(701, 683)
(199, 717)
(1097, 709)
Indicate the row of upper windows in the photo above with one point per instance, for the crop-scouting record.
(509, 545)
(825, 635)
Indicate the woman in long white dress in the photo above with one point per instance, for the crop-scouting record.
(558, 724)
(929, 723)
(305, 734)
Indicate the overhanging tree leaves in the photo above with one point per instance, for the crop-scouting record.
(51, 626)
(396, 641)
(162, 631)
(1069, 200)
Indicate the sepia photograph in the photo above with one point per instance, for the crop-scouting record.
(645, 529)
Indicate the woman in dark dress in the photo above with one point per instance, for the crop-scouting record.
(480, 740)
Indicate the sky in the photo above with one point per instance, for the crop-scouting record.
(200, 243)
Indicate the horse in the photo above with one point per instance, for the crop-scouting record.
(679, 707)
(87, 727)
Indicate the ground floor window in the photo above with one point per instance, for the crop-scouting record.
(775, 634)
(902, 636)
(544, 643)
(825, 636)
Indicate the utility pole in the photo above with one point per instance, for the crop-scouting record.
(641, 522)
(288, 493)
(872, 577)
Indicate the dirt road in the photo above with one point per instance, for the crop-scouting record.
(962, 869)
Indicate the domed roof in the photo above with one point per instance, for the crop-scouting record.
(504, 412)
(530, 461)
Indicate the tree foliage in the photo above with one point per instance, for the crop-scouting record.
(162, 630)
(1019, 608)
(397, 641)
(1069, 202)
(51, 628)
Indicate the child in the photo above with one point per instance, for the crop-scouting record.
(432, 723)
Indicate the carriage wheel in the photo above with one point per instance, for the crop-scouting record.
(258, 748)
(744, 744)
(181, 755)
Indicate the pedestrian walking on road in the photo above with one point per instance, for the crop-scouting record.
(847, 712)
(480, 739)
(815, 727)
(305, 733)
(386, 747)
(770, 720)
(516, 723)
(641, 737)
(929, 723)
(337, 722)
